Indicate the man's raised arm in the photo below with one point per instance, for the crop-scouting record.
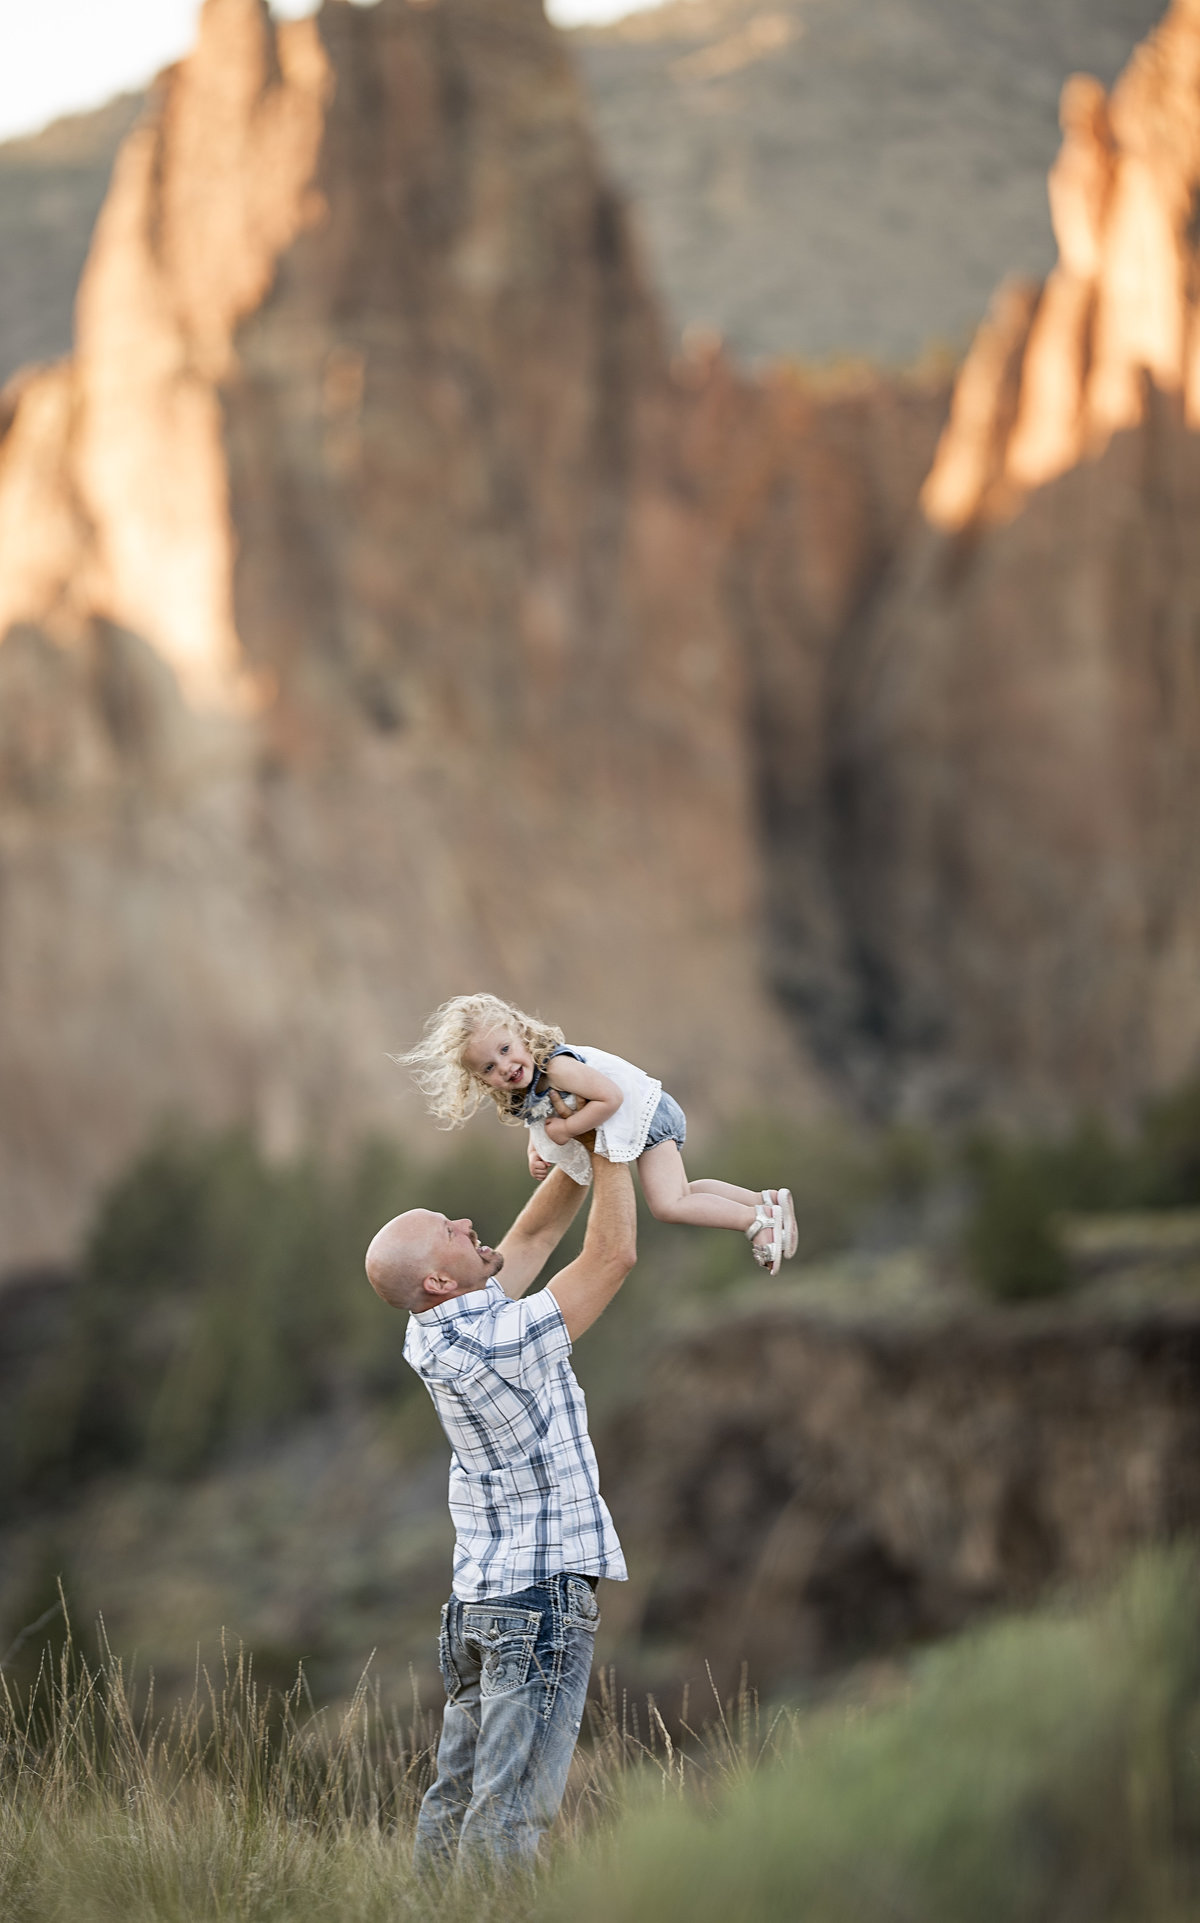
(537, 1231)
(587, 1286)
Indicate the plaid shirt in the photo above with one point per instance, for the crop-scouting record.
(524, 1489)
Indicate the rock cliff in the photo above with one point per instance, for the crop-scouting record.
(361, 635)
(383, 611)
(1013, 730)
(800, 1488)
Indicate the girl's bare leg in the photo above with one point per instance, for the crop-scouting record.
(706, 1186)
(672, 1198)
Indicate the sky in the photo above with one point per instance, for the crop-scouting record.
(60, 56)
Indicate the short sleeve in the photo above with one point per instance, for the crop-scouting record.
(528, 1339)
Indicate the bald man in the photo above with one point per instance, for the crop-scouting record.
(533, 1536)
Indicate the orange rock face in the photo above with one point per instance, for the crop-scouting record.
(1019, 743)
(362, 641)
(1120, 306)
(383, 615)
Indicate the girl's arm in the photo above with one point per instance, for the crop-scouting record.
(599, 1098)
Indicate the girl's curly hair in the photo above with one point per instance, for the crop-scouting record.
(450, 1090)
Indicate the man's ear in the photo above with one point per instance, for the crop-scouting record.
(438, 1288)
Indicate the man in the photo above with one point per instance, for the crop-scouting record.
(532, 1534)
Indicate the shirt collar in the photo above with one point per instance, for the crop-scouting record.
(458, 1304)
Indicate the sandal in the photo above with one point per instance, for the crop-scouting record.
(768, 1255)
(782, 1200)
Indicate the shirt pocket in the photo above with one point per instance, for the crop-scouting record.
(505, 1641)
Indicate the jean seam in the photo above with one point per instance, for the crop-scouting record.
(558, 1647)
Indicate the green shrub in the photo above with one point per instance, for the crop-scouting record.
(1011, 1240)
(221, 1297)
(1167, 1158)
(1020, 1187)
(1044, 1770)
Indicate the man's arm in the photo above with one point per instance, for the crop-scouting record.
(587, 1286)
(538, 1230)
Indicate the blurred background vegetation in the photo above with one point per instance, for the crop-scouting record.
(221, 1297)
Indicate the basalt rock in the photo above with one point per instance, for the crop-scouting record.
(361, 634)
(1012, 734)
(800, 1489)
(383, 612)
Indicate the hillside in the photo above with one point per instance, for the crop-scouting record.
(52, 185)
(836, 177)
(811, 178)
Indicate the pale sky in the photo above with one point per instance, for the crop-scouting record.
(58, 56)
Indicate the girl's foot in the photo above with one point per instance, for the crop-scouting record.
(765, 1236)
(782, 1200)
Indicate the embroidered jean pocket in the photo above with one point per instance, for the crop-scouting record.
(505, 1640)
(583, 1611)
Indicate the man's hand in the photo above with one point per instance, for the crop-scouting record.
(539, 1167)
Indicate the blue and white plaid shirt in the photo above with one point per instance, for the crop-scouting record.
(524, 1488)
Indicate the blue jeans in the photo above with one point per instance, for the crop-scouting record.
(516, 1674)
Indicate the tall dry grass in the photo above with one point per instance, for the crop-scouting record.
(250, 1804)
(1044, 1770)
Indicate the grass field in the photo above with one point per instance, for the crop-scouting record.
(1044, 1770)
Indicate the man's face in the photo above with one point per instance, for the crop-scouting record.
(500, 1059)
(456, 1252)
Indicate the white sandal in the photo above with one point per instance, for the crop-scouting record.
(782, 1200)
(768, 1255)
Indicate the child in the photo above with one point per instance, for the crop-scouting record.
(476, 1046)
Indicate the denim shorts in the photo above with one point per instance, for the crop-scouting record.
(668, 1123)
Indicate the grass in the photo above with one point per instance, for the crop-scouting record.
(1044, 1770)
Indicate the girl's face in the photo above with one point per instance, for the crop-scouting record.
(499, 1059)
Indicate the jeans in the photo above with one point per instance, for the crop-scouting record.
(516, 1673)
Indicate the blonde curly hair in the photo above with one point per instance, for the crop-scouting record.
(450, 1090)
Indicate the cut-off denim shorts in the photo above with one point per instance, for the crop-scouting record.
(667, 1124)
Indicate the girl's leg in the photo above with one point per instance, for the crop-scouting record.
(672, 1198)
(751, 1197)
(781, 1197)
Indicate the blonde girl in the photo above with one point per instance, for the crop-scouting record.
(476, 1048)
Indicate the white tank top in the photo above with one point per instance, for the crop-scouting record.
(623, 1137)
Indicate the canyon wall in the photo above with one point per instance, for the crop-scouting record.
(1010, 913)
(804, 1488)
(361, 634)
(384, 612)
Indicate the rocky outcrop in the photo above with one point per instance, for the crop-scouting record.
(361, 639)
(798, 1489)
(382, 611)
(1014, 738)
(793, 188)
(52, 186)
